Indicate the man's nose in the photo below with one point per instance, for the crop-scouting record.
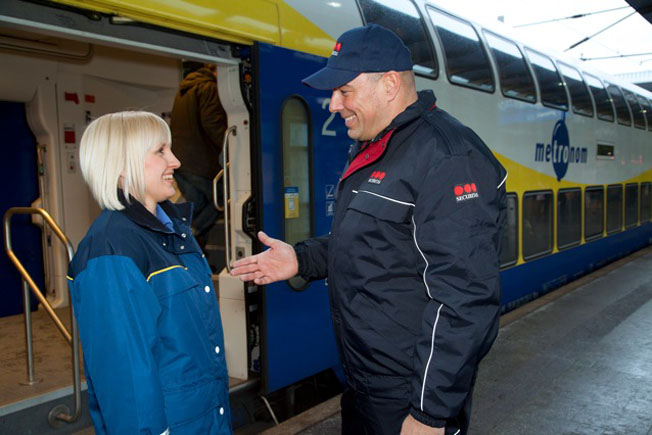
(336, 102)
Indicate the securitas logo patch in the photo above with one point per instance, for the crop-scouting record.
(376, 177)
(336, 49)
(465, 191)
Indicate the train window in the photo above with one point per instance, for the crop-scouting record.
(593, 212)
(622, 112)
(647, 111)
(551, 87)
(509, 246)
(614, 208)
(403, 18)
(631, 205)
(579, 93)
(635, 107)
(569, 218)
(537, 224)
(515, 78)
(297, 189)
(601, 97)
(646, 201)
(466, 61)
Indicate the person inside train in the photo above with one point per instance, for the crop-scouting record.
(198, 123)
(412, 259)
(142, 292)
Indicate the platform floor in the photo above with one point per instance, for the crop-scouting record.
(578, 361)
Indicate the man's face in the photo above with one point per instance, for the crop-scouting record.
(359, 103)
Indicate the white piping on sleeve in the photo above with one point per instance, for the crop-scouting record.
(384, 197)
(432, 348)
(504, 179)
(414, 235)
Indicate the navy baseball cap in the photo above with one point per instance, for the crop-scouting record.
(371, 48)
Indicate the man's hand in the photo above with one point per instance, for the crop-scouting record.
(277, 263)
(413, 427)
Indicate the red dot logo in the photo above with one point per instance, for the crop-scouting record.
(458, 190)
(337, 46)
(473, 188)
(381, 175)
(467, 188)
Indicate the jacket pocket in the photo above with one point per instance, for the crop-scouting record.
(381, 206)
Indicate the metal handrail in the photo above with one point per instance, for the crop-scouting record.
(225, 185)
(215, 180)
(60, 412)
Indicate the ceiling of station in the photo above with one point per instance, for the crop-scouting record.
(643, 7)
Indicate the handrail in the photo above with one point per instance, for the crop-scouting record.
(62, 412)
(225, 185)
(215, 180)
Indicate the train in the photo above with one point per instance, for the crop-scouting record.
(577, 143)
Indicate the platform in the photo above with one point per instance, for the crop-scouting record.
(576, 361)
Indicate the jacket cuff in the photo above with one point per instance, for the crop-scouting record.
(299, 252)
(424, 418)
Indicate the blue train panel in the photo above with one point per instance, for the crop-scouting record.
(532, 279)
(297, 329)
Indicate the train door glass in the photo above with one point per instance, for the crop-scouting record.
(296, 175)
(593, 212)
(569, 218)
(550, 84)
(537, 224)
(509, 246)
(637, 110)
(614, 208)
(646, 202)
(515, 77)
(579, 93)
(622, 112)
(631, 205)
(647, 109)
(402, 17)
(466, 60)
(294, 123)
(601, 97)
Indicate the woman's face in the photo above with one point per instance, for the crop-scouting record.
(160, 164)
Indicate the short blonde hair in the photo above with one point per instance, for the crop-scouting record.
(114, 146)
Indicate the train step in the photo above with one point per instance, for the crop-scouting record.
(30, 416)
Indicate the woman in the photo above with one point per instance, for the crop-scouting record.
(142, 291)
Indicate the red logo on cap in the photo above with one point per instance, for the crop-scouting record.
(336, 49)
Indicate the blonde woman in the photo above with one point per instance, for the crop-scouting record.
(142, 291)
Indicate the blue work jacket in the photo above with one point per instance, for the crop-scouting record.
(150, 326)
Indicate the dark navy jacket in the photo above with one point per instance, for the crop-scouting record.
(150, 326)
(412, 261)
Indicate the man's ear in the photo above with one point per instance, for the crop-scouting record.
(391, 84)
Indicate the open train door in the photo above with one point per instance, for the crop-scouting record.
(302, 152)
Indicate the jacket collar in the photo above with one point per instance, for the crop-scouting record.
(425, 101)
(137, 212)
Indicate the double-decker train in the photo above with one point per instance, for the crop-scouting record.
(577, 144)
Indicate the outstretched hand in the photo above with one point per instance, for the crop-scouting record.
(277, 263)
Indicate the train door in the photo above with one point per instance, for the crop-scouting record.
(302, 151)
(20, 189)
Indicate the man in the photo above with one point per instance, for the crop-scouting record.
(412, 258)
(198, 122)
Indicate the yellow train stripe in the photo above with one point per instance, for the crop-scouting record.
(164, 270)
